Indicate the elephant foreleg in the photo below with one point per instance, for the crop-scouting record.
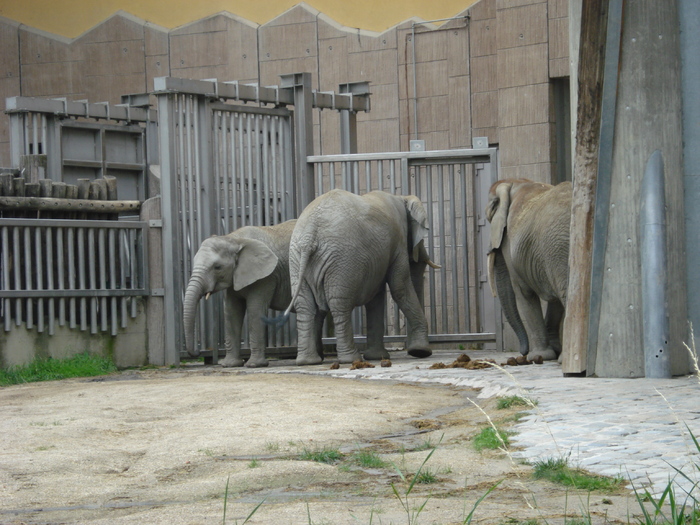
(234, 310)
(257, 309)
(345, 339)
(375, 310)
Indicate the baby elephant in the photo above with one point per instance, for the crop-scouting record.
(251, 266)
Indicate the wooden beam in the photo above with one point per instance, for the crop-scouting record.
(76, 205)
(591, 67)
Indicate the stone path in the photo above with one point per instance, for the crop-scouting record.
(634, 428)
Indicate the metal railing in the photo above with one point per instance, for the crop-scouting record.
(82, 273)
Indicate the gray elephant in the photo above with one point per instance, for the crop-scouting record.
(251, 266)
(344, 250)
(529, 259)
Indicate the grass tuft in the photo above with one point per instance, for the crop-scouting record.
(559, 471)
(80, 365)
(489, 439)
(514, 401)
(368, 459)
(323, 455)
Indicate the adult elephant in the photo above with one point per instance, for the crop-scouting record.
(251, 266)
(528, 259)
(344, 250)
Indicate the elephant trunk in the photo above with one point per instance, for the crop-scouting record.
(193, 294)
(506, 295)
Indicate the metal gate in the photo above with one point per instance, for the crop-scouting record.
(225, 165)
(453, 186)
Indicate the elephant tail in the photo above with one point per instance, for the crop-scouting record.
(306, 251)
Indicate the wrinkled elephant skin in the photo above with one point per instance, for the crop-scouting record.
(528, 259)
(344, 251)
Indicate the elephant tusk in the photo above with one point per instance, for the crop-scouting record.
(206, 297)
(433, 265)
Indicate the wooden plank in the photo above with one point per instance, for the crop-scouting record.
(590, 77)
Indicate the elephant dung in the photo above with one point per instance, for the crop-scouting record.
(356, 365)
(385, 363)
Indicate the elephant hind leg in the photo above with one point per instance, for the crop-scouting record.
(345, 345)
(552, 322)
(404, 294)
(375, 310)
(308, 350)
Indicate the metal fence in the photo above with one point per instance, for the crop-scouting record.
(453, 186)
(80, 273)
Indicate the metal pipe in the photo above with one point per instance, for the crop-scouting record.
(657, 359)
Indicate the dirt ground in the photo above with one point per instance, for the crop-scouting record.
(160, 447)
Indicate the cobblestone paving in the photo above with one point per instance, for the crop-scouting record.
(634, 428)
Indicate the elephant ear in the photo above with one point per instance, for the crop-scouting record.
(497, 212)
(417, 225)
(255, 261)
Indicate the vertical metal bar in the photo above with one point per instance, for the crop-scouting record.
(72, 271)
(82, 273)
(50, 267)
(134, 269)
(35, 134)
(112, 243)
(241, 168)
(92, 275)
(455, 243)
(431, 243)
(443, 248)
(29, 264)
(380, 175)
(123, 269)
(344, 176)
(258, 171)
(276, 163)
(331, 175)
(224, 175)
(465, 240)
(368, 176)
(6, 276)
(232, 201)
(249, 169)
(61, 273)
(392, 176)
(102, 264)
(37, 267)
(17, 253)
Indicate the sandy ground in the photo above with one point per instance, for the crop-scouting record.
(160, 447)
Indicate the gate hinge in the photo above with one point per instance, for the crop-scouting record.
(155, 223)
(157, 292)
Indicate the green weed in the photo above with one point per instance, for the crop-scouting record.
(323, 455)
(367, 459)
(80, 365)
(488, 438)
(514, 401)
(559, 471)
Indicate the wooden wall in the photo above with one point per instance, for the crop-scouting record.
(488, 75)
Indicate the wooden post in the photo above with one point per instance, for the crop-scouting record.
(591, 66)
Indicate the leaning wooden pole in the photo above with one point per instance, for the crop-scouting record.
(591, 66)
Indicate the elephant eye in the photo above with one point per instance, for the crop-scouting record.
(217, 267)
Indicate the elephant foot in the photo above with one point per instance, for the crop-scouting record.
(375, 354)
(420, 352)
(230, 361)
(256, 362)
(314, 359)
(548, 354)
(349, 357)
